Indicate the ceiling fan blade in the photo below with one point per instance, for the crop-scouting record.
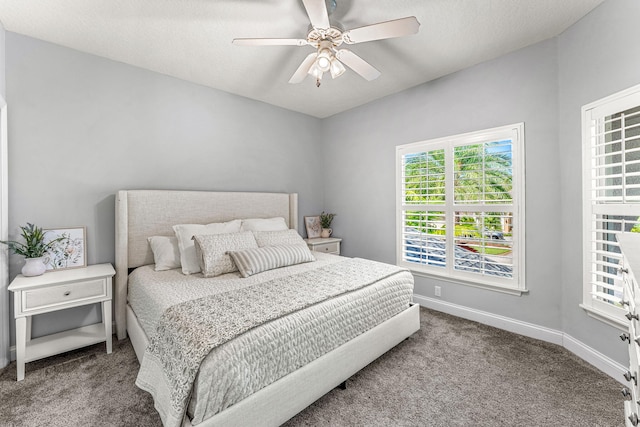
(382, 30)
(317, 11)
(357, 64)
(270, 42)
(303, 69)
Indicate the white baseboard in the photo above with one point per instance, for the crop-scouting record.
(586, 353)
(595, 358)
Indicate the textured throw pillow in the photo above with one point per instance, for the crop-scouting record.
(212, 251)
(166, 254)
(184, 233)
(254, 261)
(275, 238)
(264, 224)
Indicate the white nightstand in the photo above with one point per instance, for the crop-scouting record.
(329, 245)
(55, 291)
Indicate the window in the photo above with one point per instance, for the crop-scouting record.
(460, 207)
(611, 195)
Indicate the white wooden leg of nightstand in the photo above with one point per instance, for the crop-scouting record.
(29, 328)
(106, 318)
(21, 345)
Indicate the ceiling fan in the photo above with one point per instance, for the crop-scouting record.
(327, 38)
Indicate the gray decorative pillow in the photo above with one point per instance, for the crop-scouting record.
(212, 251)
(273, 238)
(254, 261)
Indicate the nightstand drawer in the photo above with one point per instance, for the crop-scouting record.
(328, 245)
(329, 248)
(35, 299)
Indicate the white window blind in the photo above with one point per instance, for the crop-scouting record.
(460, 207)
(611, 171)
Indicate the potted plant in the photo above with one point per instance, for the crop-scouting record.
(33, 249)
(325, 223)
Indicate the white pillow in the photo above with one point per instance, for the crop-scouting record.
(274, 238)
(264, 224)
(166, 254)
(212, 251)
(184, 233)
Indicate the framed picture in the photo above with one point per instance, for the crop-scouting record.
(70, 251)
(312, 223)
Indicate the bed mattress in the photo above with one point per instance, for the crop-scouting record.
(266, 353)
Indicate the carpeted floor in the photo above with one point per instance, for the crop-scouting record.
(452, 372)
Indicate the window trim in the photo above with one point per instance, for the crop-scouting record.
(612, 104)
(515, 132)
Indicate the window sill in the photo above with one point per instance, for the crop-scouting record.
(457, 281)
(606, 318)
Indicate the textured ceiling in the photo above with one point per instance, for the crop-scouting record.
(191, 40)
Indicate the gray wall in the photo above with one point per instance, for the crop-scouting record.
(82, 127)
(598, 56)
(520, 87)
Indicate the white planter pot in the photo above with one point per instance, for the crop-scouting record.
(34, 266)
(326, 232)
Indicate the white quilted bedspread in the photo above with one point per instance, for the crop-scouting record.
(264, 354)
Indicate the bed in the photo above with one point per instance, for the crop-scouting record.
(141, 214)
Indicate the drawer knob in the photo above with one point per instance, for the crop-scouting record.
(634, 419)
(67, 293)
(629, 376)
(632, 316)
(624, 302)
(625, 337)
(626, 393)
(623, 270)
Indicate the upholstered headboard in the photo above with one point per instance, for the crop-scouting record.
(141, 214)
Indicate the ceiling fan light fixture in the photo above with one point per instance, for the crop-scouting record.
(324, 60)
(316, 71)
(336, 68)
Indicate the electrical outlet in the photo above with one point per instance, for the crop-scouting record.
(438, 291)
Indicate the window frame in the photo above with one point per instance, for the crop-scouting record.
(515, 132)
(604, 107)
